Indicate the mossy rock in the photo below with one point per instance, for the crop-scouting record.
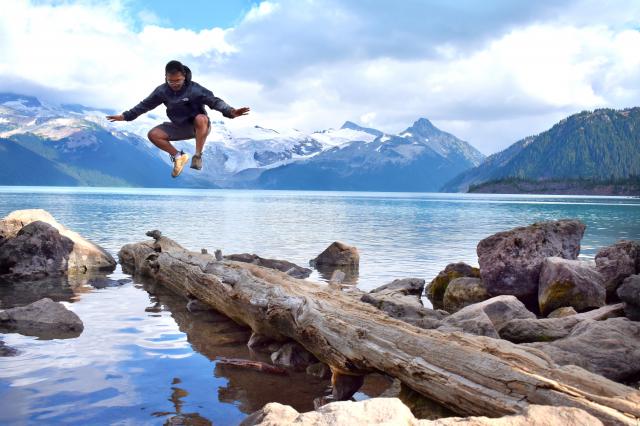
(556, 296)
(438, 286)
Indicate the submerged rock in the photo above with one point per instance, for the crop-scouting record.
(106, 282)
(437, 287)
(463, 292)
(617, 262)
(34, 245)
(294, 355)
(281, 265)
(261, 343)
(344, 386)
(510, 261)
(320, 370)
(44, 318)
(187, 419)
(573, 283)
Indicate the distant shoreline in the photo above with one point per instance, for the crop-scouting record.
(557, 187)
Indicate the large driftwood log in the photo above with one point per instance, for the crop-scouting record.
(472, 375)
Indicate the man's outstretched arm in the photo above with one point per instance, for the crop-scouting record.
(149, 103)
(218, 104)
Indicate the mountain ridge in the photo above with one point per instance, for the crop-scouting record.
(600, 145)
(80, 143)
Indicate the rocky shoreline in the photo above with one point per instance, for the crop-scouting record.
(530, 290)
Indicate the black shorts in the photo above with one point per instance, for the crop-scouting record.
(179, 132)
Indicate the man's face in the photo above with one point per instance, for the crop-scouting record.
(175, 80)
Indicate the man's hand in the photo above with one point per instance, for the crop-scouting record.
(118, 117)
(240, 111)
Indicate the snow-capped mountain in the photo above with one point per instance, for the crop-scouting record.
(46, 144)
(445, 144)
(348, 133)
(228, 153)
(421, 158)
(92, 151)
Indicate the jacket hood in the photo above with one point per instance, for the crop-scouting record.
(187, 77)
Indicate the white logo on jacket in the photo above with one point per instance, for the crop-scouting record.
(185, 99)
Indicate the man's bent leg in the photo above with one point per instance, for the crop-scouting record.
(160, 138)
(202, 128)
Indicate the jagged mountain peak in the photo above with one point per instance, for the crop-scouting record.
(422, 127)
(353, 126)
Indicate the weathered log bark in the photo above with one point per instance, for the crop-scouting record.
(471, 375)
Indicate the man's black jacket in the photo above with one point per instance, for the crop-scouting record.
(183, 105)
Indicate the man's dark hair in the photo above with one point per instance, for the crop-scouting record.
(173, 67)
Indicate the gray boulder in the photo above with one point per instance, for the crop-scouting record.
(610, 348)
(538, 330)
(406, 286)
(281, 265)
(44, 318)
(617, 262)
(45, 248)
(400, 303)
(510, 261)
(550, 329)
(294, 355)
(438, 286)
(37, 250)
(463, 292)
(629, 293)
(572, 283)
(486, 318)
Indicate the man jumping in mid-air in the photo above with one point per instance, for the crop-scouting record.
(185, 101)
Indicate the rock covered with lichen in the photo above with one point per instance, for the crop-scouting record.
(436, 289)
(510, 261)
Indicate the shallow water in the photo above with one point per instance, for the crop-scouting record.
(143, 358)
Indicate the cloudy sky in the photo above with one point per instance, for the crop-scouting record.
(490, 72)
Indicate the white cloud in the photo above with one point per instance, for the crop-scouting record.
(260, 11)
(489, 74)
(92, 51)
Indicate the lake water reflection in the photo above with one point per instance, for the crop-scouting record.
(143, 358)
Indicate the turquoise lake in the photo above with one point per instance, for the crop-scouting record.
(143, 358)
